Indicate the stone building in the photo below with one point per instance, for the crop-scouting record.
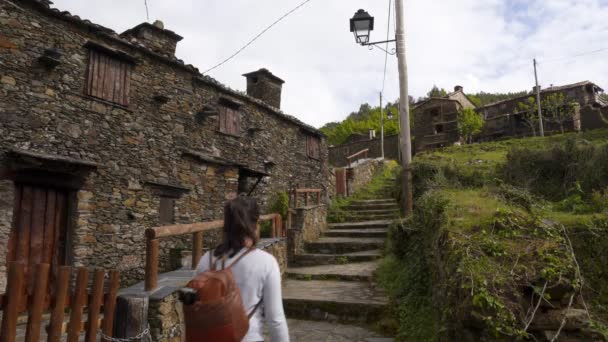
(503, 118)
(435, 119)
(104, 135)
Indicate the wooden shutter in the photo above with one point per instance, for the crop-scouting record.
(108, 78)
(230, 121)
(312, 147)
(167, 210)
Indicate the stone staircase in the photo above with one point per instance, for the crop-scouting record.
(333, 280)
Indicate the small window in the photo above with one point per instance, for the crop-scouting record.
(108, 78)
(167, 210)
(230, 121)
(435, 112)
(312, 147)
(439, 129)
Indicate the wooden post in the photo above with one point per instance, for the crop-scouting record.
(32, 333)
(319, 198)
(58, 312)
(197, 248)
(152, 246)
(273, 230)
(131, 316)
(306, 199)
(95, 306)
(109, 307)
(14, 292)
(78, 303)
(257, 227)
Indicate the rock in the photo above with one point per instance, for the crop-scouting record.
(8, 80)
(5, 43)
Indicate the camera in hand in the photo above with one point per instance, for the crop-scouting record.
(187, 296)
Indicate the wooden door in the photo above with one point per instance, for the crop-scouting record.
(39, 229)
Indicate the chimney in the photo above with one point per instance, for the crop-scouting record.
(154, 37)
(265, 86)
(372, 134)
(458, 88)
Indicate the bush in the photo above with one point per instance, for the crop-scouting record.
(553, 173)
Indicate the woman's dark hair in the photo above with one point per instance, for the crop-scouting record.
(240, 222)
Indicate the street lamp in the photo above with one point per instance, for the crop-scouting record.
(361, 25)
(390, 115)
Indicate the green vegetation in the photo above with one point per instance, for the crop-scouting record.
(376, 188)
(470, 124)
(497, 227)
(361, 122)
(279, 204)
(483, 98)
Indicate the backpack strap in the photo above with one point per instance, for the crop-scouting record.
(255, 308)
(241, 257)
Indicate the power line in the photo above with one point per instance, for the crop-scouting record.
(258, 36)
(558, 59)
(388, 30)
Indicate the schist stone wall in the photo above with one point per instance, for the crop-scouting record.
(133, 137)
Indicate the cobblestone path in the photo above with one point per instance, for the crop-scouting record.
(329, 294)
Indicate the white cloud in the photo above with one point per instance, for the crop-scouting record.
(482, 45)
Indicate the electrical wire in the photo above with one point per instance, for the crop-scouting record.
(388, 30)
(258, 36)
(559, 59)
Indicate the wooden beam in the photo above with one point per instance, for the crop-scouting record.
(34, 319)
(109, 306)
(58, 312)
(182, 229)
(197, 248)
(151, 264)
(16, 275)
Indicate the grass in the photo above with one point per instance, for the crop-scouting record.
(497, 239)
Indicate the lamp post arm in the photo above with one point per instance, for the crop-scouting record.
(378, 43)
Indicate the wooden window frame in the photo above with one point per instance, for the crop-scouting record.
(229, 120)
(108, 76)
(310, 153)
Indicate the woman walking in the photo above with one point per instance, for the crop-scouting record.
(255, 272)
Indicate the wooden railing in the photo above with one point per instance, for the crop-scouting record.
(17, 301)
(297, 193)
(356, 155)
(197, 230)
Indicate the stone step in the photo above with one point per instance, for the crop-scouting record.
(361, 224)
(335, 301)
(312, 259)
(390, 206)
(374, 201)
(364, 218)
(357, 233)
(339, 245)
(372, 211)
(362, 271)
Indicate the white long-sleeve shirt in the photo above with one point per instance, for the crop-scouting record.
(258, 276)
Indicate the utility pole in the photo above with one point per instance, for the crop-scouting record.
(381, 127)
(404, 110)
(540, 113)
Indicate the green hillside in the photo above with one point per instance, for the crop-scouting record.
(496, 227)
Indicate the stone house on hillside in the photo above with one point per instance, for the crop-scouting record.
(104, 135)
(436, 124)
(435, 119)
(503, 119)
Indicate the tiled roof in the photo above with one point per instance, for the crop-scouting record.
(45, 6)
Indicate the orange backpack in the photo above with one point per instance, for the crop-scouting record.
(218, 314)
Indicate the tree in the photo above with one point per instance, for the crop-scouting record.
(528, 112)
(557, 109)
(436, 92)
(470, 124)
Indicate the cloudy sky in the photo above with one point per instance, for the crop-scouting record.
(482, 45)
